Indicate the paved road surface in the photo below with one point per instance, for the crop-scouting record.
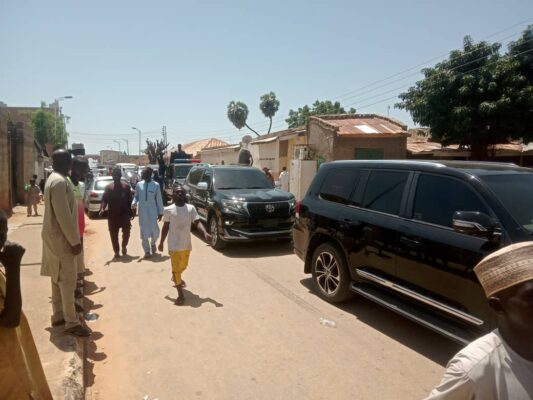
(250, 329)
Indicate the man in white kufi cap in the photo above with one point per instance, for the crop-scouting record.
(498, 365)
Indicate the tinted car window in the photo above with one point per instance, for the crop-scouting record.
(516, 194)
(437, 198)
(195, 175)
(384, 191)
(207, 177)
(181, 171)
(246, 178)
(339, 184)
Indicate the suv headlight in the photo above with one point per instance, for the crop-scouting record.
(234, 205)
(292, 204)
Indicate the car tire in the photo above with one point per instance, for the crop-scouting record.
(214, 226)
(92, 214)
(331, 278)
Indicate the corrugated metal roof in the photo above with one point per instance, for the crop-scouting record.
(363, 124)
(266, 140)
(423, 147)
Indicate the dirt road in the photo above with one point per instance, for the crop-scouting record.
(250, 329)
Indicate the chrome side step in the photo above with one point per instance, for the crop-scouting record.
(420, 316)
(454, 312)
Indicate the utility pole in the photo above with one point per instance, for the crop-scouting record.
(164, 132)
(138, 130)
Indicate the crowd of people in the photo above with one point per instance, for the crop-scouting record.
(498, 365)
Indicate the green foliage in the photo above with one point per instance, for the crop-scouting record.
(48, 128)
(155, 151)
(269, 105)
(476, 97)
(299, 117)
(238, 114)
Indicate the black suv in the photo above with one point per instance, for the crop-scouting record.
(407, 234)
(239, 204)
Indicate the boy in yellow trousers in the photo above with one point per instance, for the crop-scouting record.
(178, 219)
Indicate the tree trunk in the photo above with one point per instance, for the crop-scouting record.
(252, 130)
(270, 126)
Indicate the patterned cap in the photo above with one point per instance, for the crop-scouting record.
(506, 267)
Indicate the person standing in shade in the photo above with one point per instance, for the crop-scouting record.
(149, 205)
(498, 365)
(34, 196)
(178, 219)
(118, 198)
(284, 179)
(61, 244)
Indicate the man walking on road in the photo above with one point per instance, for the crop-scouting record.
(61, 244)
(177, 225)
(117, 197)
(498, 365)
(150, 208)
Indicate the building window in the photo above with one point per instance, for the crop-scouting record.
(369, 154)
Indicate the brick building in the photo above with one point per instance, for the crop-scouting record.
(20, 155)
(356, 137)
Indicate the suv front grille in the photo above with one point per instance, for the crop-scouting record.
(269, 210)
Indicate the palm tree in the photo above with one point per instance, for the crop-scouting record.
(237, 114)
(269, 106)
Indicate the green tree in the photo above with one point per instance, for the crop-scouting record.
(238, 114)
(475, 98)
(155, 151)
(48, 128)
(299, 117)
(522, 50)
(269, 105)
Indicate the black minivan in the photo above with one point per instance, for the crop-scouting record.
(239, 204)
(407, 234)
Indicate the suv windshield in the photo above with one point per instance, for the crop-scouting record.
(181, 171)
(516, 194)
(241, 179)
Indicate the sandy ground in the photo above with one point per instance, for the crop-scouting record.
(250, 328)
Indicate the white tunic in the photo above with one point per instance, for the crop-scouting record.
(486, 369)
(179, 231)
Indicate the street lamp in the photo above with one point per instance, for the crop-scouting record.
(138, 130)
(127, 146)
(119, 149)
(56, 104)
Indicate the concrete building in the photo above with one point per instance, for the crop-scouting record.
(220, 155)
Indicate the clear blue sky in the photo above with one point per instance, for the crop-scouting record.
(177, 63)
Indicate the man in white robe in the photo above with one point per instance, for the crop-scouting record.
(498, 365)
(149, 205)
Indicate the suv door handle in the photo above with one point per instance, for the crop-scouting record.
(409, 242)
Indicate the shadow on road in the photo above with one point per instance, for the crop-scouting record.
(258, 249)
(155, 258)
(61, 340)
(195, 301)
(122, 259)
(92, 355)
(422, 340)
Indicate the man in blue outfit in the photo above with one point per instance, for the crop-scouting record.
(149, 205)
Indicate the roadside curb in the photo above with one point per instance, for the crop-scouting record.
(73, 384)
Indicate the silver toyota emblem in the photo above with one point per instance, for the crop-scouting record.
(270, 208)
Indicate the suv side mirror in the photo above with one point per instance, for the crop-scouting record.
(474, 223)
(202, 185)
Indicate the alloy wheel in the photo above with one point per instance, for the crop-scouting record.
(327, 273)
